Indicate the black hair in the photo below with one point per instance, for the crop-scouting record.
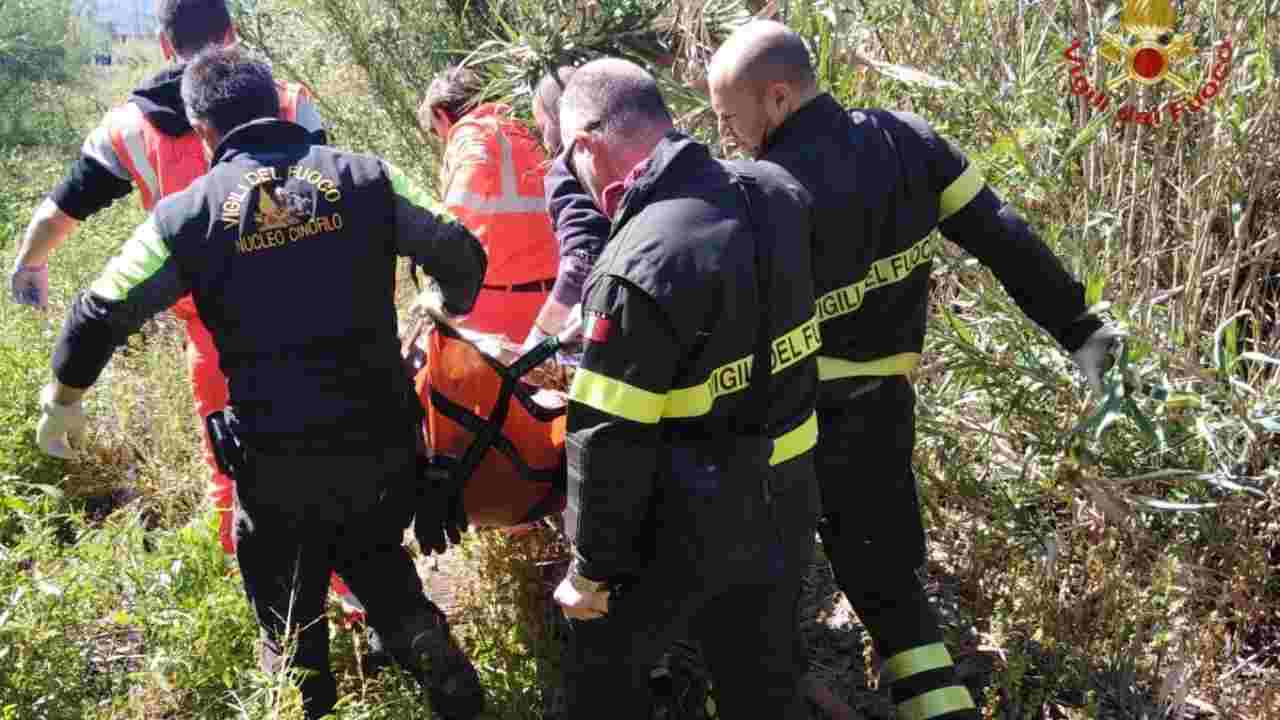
(192, 25)
(225, 88)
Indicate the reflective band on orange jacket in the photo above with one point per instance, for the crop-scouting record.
(161, 165)
(493, 183)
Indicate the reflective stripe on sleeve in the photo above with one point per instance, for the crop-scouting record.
(785, 351)
(405, 187)
(795, 443)
(960, 192)
(616, 397)
(142, 255)
(915, 661)
(831, 368)
(126, 139)
(936, 702)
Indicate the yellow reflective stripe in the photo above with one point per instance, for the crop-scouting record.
(915, 661)
(141, 257)
(885, 271)
(616, 397)
(785, 351)
(960, 192)
(795, 443)
(830, 368)
(935, 703)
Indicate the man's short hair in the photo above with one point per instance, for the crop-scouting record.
(224, 88)
(192, 25)
(456, 90)
(615, 97)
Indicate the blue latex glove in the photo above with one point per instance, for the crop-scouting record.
(29, 285)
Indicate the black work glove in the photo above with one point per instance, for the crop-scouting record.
(440, 517)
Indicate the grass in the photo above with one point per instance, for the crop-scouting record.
(1112, 558)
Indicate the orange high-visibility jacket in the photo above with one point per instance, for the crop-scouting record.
(162, 165)
(492, 182)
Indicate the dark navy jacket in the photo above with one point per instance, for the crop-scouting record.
(882, 182)
(673, 316)
(289, 251)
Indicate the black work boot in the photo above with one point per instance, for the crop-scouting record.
(427, 649)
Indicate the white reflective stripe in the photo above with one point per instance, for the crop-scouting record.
(99, 147)
(137, 162)
(509, 188)
(510, 201)
(495, 205)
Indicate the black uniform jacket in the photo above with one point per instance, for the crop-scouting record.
(881, 183)
(289, 252)
(672, 316)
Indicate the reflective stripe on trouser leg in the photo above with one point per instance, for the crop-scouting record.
(923, 685)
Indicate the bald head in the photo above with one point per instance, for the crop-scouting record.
(758, 78)
(761, 53)
(615, 98)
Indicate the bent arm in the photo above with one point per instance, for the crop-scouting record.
(972, 216)
(1033, 276)
(437, 243)
(613, 438)
(49, 228)
(138, 283)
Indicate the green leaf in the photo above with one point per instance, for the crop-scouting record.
(1184, 400)
(913, 76)
(1086, 135)
(1094, 285)
(1224, 343)
(963, 331)
(1258, 357)
(1159, 505)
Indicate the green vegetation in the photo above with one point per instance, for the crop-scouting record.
(1113, 558)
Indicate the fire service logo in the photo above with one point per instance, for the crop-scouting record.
(1149, 53)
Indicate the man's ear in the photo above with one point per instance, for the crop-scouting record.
(232, 37)
(166, 48)
(209, 137)
(778, 100)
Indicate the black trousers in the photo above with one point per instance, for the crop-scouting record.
(727, 573)
(297, 518)
(873, 535)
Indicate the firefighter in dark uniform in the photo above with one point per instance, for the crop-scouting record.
(289, 251)
(882, 182)
(692, 498)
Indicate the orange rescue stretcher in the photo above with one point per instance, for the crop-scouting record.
(496, 416)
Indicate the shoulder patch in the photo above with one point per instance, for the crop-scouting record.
(597, 327)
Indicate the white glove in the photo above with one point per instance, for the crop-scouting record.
(29, 285)
(61, 428)
(1096, 356)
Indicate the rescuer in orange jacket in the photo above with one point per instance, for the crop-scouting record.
(492, 181)
(147, 143)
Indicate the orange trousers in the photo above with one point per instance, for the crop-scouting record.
(209, 387)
